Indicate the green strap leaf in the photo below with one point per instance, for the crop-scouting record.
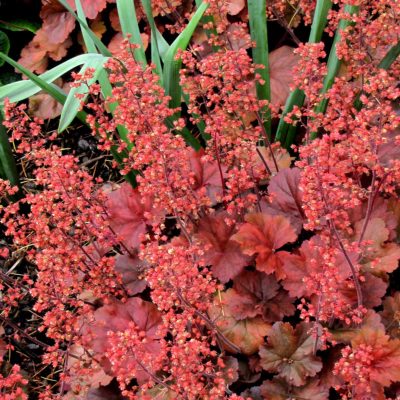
(72, 103)
(259, 34)
(386, 63)
(286, 132)
(89, 43)
(390, 57)
(106, 89)
(334, 63)
(130, 26)
(155, 53)
(20, 25)
(163, 45)
(319, 20)
(4, 45)
(172, 66)
(23, 89)
(41, 84)
(8, 168)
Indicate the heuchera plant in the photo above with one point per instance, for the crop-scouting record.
(237, 265)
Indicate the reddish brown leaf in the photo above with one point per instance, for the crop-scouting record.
(345, 334)
(117, 41)
(35, 55)
(115, 317)
(289, 352)
(3, 349)
(241, 305)
(394, 208)
(385, 367)
(132, 270)
(257, 294)
(257, 285)
(94, 378)
(281, 63)
(278, 307)
(114, 20)
(280, 156)
(381, 256)
(90, 7)
(278, 389)
(44, 106)
(248, 334)
(207, 176)
(373, 289)
(263, 234)
(58, 22)
(129, 213)
(382, 209)
(306, 264)
(391, 314)
(263, 296)
(286, 197)
(235, 6)
(221, 252)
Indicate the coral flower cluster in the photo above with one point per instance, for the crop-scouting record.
(233, 268)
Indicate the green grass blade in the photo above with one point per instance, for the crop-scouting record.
(285, 132)
(333, 63)
(49, 88)
(89, 43)
(386, 63)
(319, 20)
(106, 90)
(8, 168)
(163, 45)
(20, 25)
(99, 44)
(259, 35)
(155, 53)
(207, 19)
(23, 89)
(4, 45)
(172, 66)
(129, 25)
(155, 57)
(53, 90)
(296, 98)
(390, 57)
(72, 103)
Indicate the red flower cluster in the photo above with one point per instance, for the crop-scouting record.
(227, 272)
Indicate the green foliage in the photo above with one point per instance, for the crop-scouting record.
(4, 45)
(171, 65)
(130, 27)
(259, 34)
(20, 25)
(286, 132)
(8, 168)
